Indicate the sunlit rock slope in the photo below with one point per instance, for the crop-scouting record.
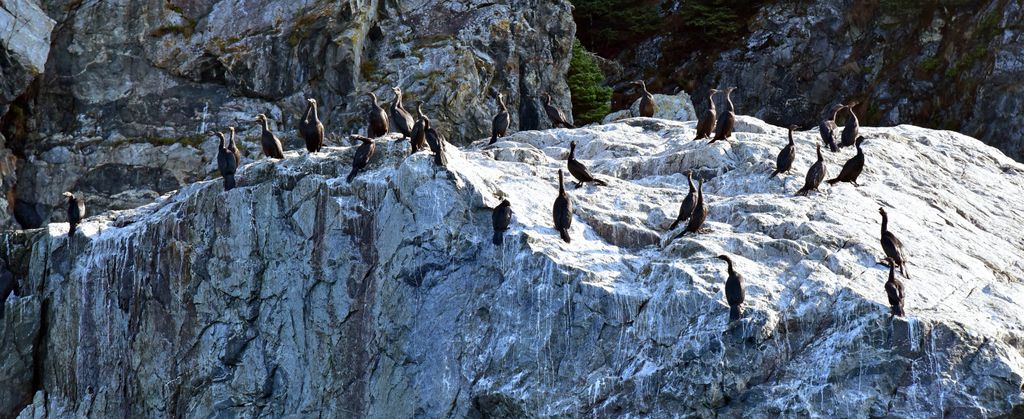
(298, 293)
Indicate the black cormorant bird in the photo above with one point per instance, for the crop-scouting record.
(579, 171)
(562, 210)
(828, 129)
(894, 290)
(418, 141)
(76, 211)
(377, 118)
(401, 118)
(891, 245)
(815, 175)
(852, 168)
(436, 143)
(233, 149)
(226, 163)
(686, 208)
(311, 129)
(501, 121)
(647, 106)
(784, 162)
(500, 219)
(706, 125)
(556, 115)
(727, 120)
(851, 127)
(734, 294)
(699, 214)
(271, 145)
(362, 156)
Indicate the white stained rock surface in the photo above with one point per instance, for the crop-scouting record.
(299, 293)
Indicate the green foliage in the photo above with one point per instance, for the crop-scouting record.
(604, 24)
(590, 100)
(931, 63)
(711, 18)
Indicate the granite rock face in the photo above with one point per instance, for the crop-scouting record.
(300, 293)
(126, 73)
(24, 44)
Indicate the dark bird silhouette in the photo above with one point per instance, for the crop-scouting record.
(233, 148)
(894, 290)
(362, 156)
(828, 129)
(76, 211)
(271, 145)
(418, 141)
(500, 219)
(646, 100)
(784, 162)
(734, 293)
(851, 128)
(226, 163)
(891, 245)
(699, 214)
(556, 115)
(377, 118)
(311, 129)
(852, 168)
(727, 120)
(436, 143)
(689, 203)
(401, 118)
(815, 175)
(562, 210)
(579, 171)
(501, 121)
(706, 125)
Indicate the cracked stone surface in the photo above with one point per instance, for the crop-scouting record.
(299, 293)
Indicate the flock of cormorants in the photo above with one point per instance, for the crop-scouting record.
(693, 210)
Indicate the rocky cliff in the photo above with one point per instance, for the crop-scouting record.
(130, 88)
(299, 293)
(945, 64)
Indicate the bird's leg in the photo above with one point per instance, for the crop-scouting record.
(579, 185)
(855, 183)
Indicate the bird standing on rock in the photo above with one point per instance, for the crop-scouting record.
(727, 120)
(562, 210)
(226, 163)
(311, 129)
(891, 245)
(894, 290)
(399, 116)
(647, 106)
(436, 143)
(76, 211)
(362, 156)
(784, 162)
(556, 115)
(734, 294)
(815, 175)
(501, 217)
(418, 141)
(501, 121)
(686, 208)
(828, 128)
(579, 171)
(706, 125)
(377, 118)
(852, 168)
(699, 214)
(271, 145)
(851, 128)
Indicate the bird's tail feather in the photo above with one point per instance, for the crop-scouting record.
(832, 181)
(775, 173)
(674, 224)
(499, 238)
(229, 182)
(734, 313)
(600, 182)
(565, 234)
(352, 175)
